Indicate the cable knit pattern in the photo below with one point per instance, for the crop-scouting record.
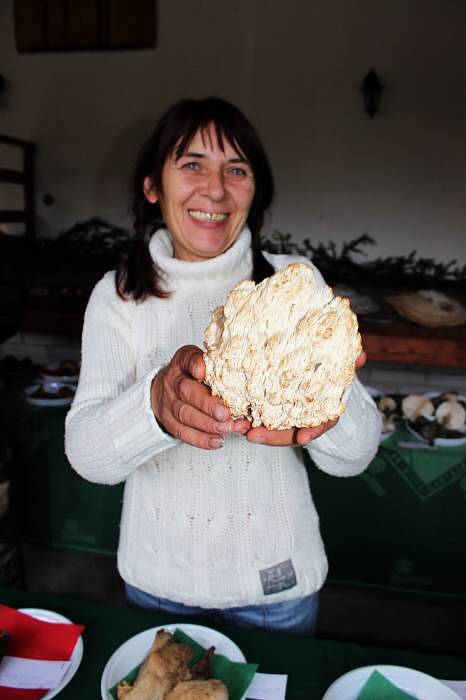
(198, 526)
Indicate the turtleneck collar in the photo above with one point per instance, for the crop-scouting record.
(236, 260)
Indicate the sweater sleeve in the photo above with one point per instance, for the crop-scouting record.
(348, 447)
(110, 429)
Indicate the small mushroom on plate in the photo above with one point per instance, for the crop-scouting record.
(448, 396)
(451, 415)
(387, 409)
(388, 423)
(386, 405)
(414, 406)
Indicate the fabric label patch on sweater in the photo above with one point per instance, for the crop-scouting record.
(278, 578)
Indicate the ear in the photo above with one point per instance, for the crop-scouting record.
(149, 190)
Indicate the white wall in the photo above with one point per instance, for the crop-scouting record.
(295, 67)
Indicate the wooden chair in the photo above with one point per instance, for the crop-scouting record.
(24, 178)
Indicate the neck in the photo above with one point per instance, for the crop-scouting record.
(214, 271)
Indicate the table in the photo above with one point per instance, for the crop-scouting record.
(403, 519)
(52, 499)
(311, 664)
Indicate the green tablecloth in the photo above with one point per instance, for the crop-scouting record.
(55, 505)
(311, 664)
(402, 523)
(399, 525)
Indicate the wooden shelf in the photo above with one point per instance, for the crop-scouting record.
(53, 322)
(398, 343)
(406, 343)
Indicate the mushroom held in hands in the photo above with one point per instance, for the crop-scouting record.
(282, 353)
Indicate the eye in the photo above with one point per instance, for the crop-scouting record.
(192, 165)
(237, 172)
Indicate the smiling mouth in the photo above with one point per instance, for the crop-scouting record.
(207, 216)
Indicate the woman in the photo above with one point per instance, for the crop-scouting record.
(217, 520)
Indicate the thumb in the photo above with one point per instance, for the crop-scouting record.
(361, 360)
(191, 361)
(198, 367)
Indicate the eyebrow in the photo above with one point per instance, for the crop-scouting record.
(193, 154)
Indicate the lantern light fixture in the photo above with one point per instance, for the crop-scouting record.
(372, 89)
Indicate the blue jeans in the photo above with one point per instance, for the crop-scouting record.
(292, 616)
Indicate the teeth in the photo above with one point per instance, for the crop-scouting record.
(207, 216)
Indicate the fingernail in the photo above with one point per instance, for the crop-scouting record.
(255, 438)
(224, 428)
(220, 413)
(215, 442)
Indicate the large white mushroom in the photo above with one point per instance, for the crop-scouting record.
(283, 352)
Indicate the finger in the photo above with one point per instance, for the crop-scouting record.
(196, 438)
(199, 395)
(306, 435)
(277, 438)
(187, 415)
(241, 426)
(190, 360)
(361, 360)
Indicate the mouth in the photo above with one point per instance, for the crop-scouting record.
(207, 215)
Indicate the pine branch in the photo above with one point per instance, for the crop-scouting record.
(399, 271)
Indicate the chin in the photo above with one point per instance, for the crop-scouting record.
(211, 248)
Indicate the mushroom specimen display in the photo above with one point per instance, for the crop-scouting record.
(451, 415)
(414, 406)
(282, 353)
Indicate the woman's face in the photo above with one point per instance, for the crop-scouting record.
(207, 194)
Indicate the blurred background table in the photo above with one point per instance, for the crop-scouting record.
(55, 506)
(401, 523)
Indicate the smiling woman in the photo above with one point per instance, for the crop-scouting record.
(213, 524)
(209, 142)
(206, 196)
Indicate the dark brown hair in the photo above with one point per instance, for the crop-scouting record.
(137, 277)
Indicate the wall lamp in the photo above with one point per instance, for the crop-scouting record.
(371, 89)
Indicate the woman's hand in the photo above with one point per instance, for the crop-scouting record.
(185, 407)
(292, 436)
(295, 436)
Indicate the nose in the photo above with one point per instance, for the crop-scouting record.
(215, 186)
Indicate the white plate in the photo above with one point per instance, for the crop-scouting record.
(420, 685)
(439, 441)
(65, 379)
(76, 656)
(51, 386)
(134, 651)
(434, 394)
(384, 436)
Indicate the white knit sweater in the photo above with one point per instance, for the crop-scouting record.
(222, 528)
